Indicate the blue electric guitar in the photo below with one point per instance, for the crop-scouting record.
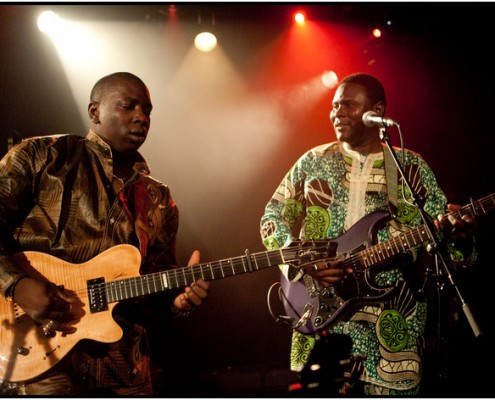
(315, 308)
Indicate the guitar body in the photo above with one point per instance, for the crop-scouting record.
(25, 351)
(96, 286)
(314, 307)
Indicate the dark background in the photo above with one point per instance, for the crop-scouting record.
(223, 163)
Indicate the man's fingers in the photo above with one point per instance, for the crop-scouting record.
(194, 259)
(200, 289)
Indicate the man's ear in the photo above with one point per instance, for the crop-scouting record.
(94, 112)
(379, 108)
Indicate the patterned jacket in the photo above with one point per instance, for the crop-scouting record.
(56, 197)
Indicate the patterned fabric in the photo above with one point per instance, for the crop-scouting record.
(325, 193)
(56, 197)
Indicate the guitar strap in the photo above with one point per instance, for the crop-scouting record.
(391, 180)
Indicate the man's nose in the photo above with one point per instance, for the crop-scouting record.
(140, 115)
(336, 112)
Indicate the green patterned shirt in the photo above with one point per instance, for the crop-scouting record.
(326, 192)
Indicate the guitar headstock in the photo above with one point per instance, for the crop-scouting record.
(302, 252)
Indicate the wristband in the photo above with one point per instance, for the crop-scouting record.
(9, 293)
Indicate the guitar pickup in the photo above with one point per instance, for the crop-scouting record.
(97, 295)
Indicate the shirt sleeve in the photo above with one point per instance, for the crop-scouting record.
(283, 214)
(17, 180)
(284, 210)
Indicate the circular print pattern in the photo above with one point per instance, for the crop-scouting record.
(391, 329)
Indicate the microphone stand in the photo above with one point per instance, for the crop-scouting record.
(440, 250)
(437, 246)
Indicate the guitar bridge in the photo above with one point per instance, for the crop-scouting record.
(97, 295)
(312, 286)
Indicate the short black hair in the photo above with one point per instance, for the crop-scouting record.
(374, 88)
(107, 81)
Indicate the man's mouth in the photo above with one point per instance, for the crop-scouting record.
(139, 136)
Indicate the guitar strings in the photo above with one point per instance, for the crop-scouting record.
(152, 283)
(174, 278)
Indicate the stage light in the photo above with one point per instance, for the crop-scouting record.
(300, 18)
(205, 41)
(377, 33)
(48, 22)
(329, 79)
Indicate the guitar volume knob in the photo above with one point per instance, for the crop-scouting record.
(22, 351)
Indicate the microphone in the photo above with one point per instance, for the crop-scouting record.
(371, 118)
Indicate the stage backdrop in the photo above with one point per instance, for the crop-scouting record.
(227, 125)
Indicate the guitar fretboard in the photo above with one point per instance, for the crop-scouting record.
(384, 251)
(109, 292)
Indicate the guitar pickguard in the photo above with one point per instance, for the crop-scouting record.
(314, 307)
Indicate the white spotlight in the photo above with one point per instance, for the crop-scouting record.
(205, 41)
(47, 21)
(329, 79)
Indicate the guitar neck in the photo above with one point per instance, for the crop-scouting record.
(171, 279)
(386, 250)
